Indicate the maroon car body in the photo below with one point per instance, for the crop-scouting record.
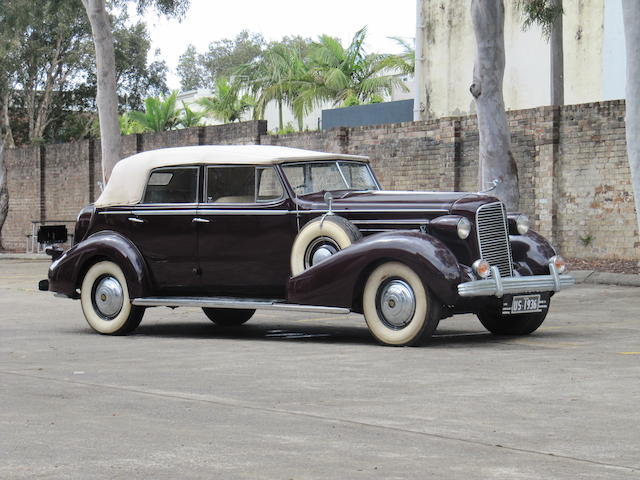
(210, 241)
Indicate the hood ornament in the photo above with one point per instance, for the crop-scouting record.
(494, 184)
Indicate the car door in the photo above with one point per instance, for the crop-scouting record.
(163, 228)
(246, 231)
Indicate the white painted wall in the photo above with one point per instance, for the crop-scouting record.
(593, 54)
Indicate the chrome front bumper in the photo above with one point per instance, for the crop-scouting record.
(498, 286)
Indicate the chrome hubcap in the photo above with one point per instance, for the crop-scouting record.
(108, 297)
(396, 303)
(319, 250)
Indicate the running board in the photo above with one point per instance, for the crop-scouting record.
(231, 302)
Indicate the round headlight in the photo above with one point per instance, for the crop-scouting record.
(482, 268)
(522, 224)
(559, 262)
(464, 228)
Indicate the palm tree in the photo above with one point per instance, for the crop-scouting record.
(159, 114)
(228, 103)
(405, 62)
(190, 118)
(277, 76)
(345, 75)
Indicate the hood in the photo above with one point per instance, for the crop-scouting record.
(438, 202)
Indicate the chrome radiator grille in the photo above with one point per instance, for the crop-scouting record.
(493, 237)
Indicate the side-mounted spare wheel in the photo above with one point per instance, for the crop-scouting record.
(398, 308)
(321, 238)
(105, 301)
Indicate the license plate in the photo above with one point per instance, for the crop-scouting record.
(525, 304)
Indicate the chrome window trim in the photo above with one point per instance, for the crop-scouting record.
(337, 162)
(272, 202)
(182, 167)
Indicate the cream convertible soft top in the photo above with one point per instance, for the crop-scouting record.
(129, 176)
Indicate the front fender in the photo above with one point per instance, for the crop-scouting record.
(338, 279)
(531, 253)
(65, 273)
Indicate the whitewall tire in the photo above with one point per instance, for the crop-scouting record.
(105, 301)
(321, 238)
(398, 308)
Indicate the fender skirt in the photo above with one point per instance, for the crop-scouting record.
(338, 281)
(65, 273)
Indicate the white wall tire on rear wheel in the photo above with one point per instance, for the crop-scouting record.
(398, 308)
(105, 301)
(330, 233)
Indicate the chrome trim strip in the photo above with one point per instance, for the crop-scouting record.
(232, 302)
(275, 212)
(390, 222)
(380, 210)
(533, 284)
(165, 212)
(208, 211)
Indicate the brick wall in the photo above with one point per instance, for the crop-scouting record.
(573, 170)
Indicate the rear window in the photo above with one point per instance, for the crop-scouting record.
(172, 185)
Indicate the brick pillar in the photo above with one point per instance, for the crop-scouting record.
(450, 155)
(545, 188)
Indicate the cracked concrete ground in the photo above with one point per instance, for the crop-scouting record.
(298, 396)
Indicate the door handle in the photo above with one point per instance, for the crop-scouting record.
(200, 220)
(136, 220)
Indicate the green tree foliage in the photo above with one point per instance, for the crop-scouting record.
(190, 118)
(406, 61)
(128, 126)
(221, 59)
(136, 77)
(228, 103)
(190, 70)
(277, 75)
(51, 52)
(47, 69)
(345, 75)
(160, 114)
(539, 12)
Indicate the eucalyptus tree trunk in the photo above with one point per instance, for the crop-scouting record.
(496, 161)
(5, 121)
(4, 191)
(557, 58)
(631, 15)
(107, 98)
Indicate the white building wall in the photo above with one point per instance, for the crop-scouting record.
(594, 56)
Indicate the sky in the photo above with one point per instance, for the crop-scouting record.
(210, 20)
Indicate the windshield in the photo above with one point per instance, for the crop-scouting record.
(311, 177)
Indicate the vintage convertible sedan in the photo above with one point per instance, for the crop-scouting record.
(232, 229)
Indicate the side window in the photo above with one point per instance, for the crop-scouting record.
(268, 186)
(172, 185)
(242, 184)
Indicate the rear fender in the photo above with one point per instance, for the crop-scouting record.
(338, 280)
(67, 272)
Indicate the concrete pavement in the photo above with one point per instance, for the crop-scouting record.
(296, 396)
